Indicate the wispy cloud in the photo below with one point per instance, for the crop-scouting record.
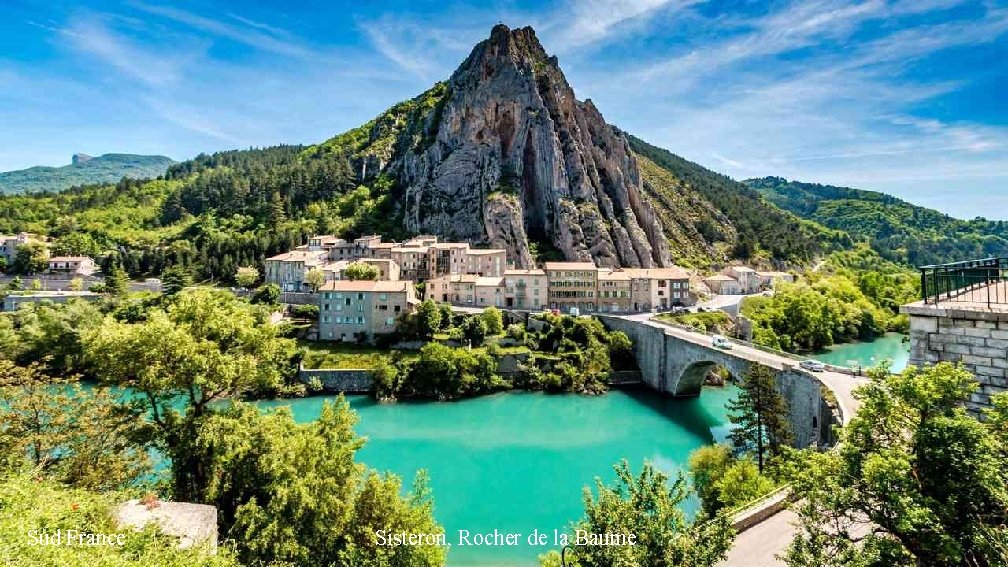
(252, 34)
(93, 36)
(580, 23)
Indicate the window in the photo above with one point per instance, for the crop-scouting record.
(360, 320)
(383, 296)
(325, 319)
(360, 296)
(389, 321)
(348, 301)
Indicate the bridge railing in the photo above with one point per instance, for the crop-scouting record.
(769, 350)
(973, 281)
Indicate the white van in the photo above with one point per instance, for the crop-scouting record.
(721, 341)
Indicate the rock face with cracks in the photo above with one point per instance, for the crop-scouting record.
(503, 154)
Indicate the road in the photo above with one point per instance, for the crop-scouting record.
(842, 385)
(760, 545)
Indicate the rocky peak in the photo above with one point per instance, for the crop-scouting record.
(508, 156)
(78, 159)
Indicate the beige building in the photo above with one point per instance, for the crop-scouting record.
(571, 285)
(614, 291)
(721, 284)
(525, 289)
(288, 270)
(486, 262)
(73, 265)
(769, 279)
(9, 245)
(412, 261)
(747, 278)
(659, 288)
(457, 289)
(359, 310)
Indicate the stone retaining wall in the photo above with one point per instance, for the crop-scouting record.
(339, 380)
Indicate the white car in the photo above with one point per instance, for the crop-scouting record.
(812, 365)
(721, 341)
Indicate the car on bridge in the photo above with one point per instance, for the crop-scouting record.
(812, 365)
(722, 342)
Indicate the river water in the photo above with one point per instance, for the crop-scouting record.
(518, 461)
(870, 353)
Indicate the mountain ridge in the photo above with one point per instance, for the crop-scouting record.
(83, 170)
(899, 230)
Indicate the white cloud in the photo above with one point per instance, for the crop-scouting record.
(255, 35)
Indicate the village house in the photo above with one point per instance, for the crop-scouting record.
(571, 286)
(525, 289)
(9, 245)
(721, 284)
(288, 270)
(72, 265)
(747, 278)
(659, 288)
(614, 291)
(359, 310)
(769, 279)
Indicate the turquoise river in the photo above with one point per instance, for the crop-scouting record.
(891, 346)
(517, 462)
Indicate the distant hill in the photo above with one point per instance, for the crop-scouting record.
(898, 230)
(84, 170)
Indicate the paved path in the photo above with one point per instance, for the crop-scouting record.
(759, 545)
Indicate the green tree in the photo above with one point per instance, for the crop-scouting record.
(474, 330)
(246, 276)
(427, 319)
(293, 494)
(31, 258)
(52, 334)
(116, 280)
(76, 244)
(361, 271)
(268, 294)
(647, 506)
(759, 415)
(76, 284)
(36, 285)
(915, 480)
(741, 484)
(3, 264)
(277, 212)
(85, 439)
(707, 466)
(175, 279)
(446, 316)
(206, 346)
(15, 284)
(314, 279)
(494, 321)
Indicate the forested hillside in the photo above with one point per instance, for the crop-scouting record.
(726, 213)
(85, 170)
(898, 230)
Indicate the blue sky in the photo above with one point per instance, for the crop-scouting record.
(904, 96)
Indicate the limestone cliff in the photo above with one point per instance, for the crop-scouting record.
(503, 154)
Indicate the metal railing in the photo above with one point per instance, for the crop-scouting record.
(973, 281)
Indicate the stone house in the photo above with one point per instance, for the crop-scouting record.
(525, 289)
(748, 280)
(351, 310)
(288, 270)
(571, 285)
(723, 285)
(614, 289)
(659, 288)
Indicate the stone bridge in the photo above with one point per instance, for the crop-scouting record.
(675, 361)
